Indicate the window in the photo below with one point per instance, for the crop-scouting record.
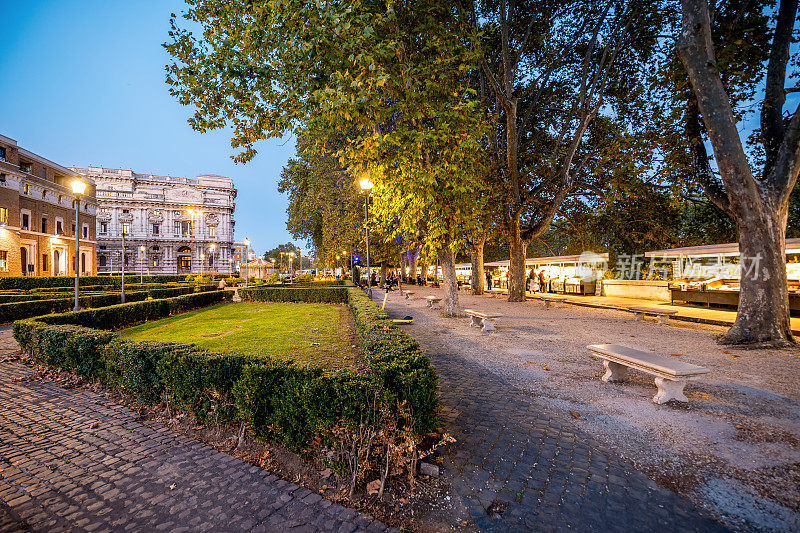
(126, 211)
(3, 216)
(156, 229)
(182, 228)
(156, 213)
(44, 261)
(85, 231)
(26, 221)
(60, 198)
(44, 225)
(155, 261)
(59, 227)
(103, 210)
(26, 188)
(25, 167)
(44, 176)
(4, 257)
(2, 178)
(44, 195)
(103, 228)
(126, 228)
(211, 260)
(212, 231)
(2, 153)
(83, 263)
(73, 230)
(102, 261)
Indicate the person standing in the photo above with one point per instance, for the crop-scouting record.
(488, 280)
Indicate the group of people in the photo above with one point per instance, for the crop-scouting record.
(537, 281)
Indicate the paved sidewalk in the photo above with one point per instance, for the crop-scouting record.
(519, 465)
(74, 461)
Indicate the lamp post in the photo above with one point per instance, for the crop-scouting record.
(246, 257)
(78, 187)
(202, 260)
(212, 248)
(141, 263)
(291, 267)
(122, 293)
(366, 186)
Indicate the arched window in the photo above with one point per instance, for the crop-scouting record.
(102, 261)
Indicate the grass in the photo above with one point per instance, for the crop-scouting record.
(311, 334)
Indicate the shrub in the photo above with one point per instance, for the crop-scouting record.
(280, 293)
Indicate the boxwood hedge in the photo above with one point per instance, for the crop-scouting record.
(275, 398)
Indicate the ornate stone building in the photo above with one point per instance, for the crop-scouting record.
(172, 225)
(37, 216)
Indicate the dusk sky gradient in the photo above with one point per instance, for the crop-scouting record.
(82, 83)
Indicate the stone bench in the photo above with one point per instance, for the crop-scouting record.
(433, 301)
(662, 315)
(671, 375)
(408, 294)
(548, 299)
(485, 321)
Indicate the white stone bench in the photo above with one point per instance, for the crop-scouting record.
(485, 321)
(408, 294)
(548, 299)
(661, 314)
(671, 375)
(433, 301)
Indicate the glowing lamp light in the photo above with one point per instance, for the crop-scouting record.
(365, 184)
(246, 242)
(78, 186)
(142, 248)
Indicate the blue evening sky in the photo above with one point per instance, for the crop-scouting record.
(82, 83)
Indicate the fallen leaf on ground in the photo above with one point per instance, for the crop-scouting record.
(576, 415)
(545, 367)
(531, 362)
(403, 500)
(325, 474)
(172, 486)
(373, 486)
(594, 358)
(735, 355)
(95, 425)
(725, 351)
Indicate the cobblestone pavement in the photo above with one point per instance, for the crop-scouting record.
(74, 461)
(519, 465)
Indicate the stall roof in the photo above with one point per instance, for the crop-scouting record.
(710, 250)
(557, 259)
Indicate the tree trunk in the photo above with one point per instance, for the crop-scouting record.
(763, 314)
(447, 260)
(516, 268)
(384, 271)
(478, 279)
(412, 264)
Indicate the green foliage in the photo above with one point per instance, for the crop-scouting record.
(275, 398)
(294, 294)
(36, 282)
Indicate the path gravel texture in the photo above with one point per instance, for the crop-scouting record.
(733, 450)
(71, 460)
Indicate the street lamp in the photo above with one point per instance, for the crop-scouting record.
(291, 267)
(366, 186)
(141, 263)
(202, 260)
(246, 257)
(212, 248)
(78, 187)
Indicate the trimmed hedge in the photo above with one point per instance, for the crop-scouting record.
(275, 398)
(35, 282)
(59, 304)
(290, 293)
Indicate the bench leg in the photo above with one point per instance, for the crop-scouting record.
(546, 304)
(614, 371)
(488, 325)
(430, 304)
(476, 322)
(663, 319)
(637, 316)
(670, 390)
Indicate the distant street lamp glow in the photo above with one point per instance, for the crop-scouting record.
(365, 184)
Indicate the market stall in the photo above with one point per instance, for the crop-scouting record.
(710, 274)
(566, 274)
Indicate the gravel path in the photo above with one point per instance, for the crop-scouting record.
(734, 450)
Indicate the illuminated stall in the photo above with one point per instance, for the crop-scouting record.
(566, 274)
(710, 274)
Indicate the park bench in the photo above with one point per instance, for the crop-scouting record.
(485, 321)
(408, 294)
(550, 299)
(661, 314)
(671, 375)
(433, 301)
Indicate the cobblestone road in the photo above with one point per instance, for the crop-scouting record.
(521, 458)
(72, 461)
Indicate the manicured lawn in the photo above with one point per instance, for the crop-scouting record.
(311, 334)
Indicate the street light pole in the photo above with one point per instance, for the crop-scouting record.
(366, 186)
(122, 294)
(246, 257)
(78, 187)
(141, 263)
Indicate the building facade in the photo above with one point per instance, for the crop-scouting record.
(37, 216)
(172, 225)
